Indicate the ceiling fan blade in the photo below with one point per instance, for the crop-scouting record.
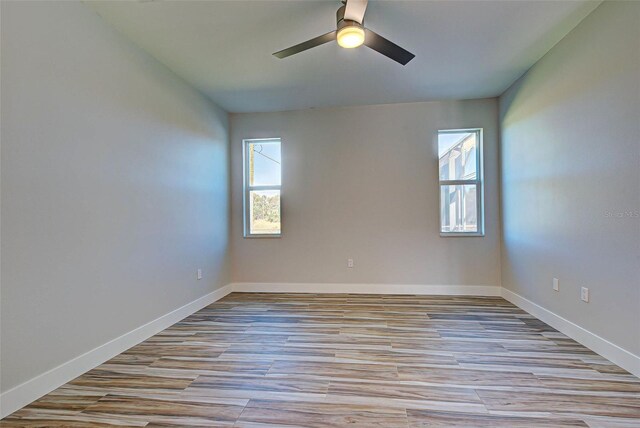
(355, 9)
(320, 40)
(386, 47)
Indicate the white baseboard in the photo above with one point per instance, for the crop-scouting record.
(608, 350)
(290, 287)
(31, 390)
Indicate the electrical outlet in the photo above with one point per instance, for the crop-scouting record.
(556, 284)
(349, 263)
(584, 294)
(199, 274)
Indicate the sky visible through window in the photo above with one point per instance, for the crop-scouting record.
(446, 141)
(267, 160)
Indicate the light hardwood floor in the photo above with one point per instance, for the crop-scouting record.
(315, 360)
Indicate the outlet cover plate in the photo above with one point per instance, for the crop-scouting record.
(584, 294)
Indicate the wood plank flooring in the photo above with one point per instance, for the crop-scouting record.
(316, 360)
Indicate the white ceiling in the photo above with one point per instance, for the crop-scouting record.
(464, 49)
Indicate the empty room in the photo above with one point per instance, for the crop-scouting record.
(320, 213)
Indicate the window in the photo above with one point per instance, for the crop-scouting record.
(461, 194)
(262, 167)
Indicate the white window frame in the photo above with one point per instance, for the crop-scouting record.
(478, 182)
(247, 188)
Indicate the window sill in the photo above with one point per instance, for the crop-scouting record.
(461, 234)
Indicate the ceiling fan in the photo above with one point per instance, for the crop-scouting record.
(351, 33)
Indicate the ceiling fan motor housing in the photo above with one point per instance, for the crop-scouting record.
(341, 22)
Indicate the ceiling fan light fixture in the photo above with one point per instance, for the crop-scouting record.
(350, 36)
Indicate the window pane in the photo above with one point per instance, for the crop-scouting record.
(457, 152)
(264, 212)
(264, 163)
(458, 208)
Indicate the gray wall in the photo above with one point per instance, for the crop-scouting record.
(362, 182)
(570, 156)
(114, 188)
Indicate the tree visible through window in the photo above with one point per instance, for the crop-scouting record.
(262, 181)
(460, 166)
